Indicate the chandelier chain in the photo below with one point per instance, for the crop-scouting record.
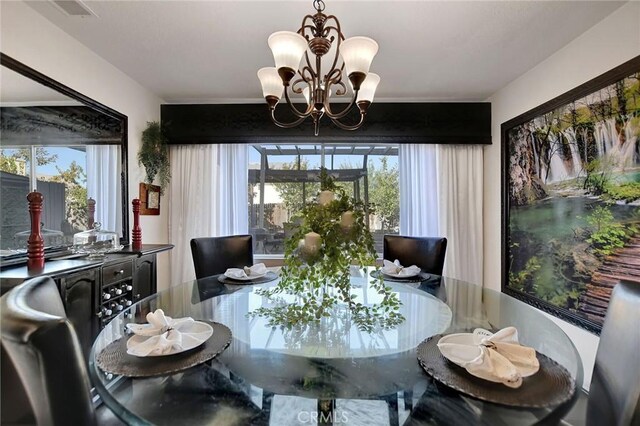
(319, 5)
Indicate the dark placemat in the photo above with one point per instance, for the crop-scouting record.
(115, 359)
(552, 385)
(270, 276)
(422, 276)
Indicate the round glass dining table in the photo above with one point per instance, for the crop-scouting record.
(331, 372)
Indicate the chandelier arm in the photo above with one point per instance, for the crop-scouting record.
(306, 27)
(345, 111)
(346, 126)
(304, 24)
(295, 89)
(293, 108)
(285, 125)
(335, 19)
(308, 78)
(337, 80)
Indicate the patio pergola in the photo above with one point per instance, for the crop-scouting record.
(327, 153)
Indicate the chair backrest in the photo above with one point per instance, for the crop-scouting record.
(425, 252)
(214, 255)
(45, 351)
(614, 394)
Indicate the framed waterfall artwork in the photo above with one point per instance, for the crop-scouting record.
(571, 198)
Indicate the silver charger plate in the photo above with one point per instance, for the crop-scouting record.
(269, 276)
(115, 359)
(552, 385)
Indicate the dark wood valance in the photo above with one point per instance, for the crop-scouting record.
(441, 123)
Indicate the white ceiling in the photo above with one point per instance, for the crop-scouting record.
(209, 51)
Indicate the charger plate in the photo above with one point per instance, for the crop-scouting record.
(115, 359)
(422, 276)
(551, 386)
(269, 276)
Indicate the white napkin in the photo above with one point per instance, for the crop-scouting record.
(165, 334)
(495, 357)
(395, 268)
(258, 269)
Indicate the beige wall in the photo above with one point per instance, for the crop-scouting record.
(609, 43)
(31, 39)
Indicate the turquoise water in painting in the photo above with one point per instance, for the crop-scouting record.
(551, 230)
(558, 218)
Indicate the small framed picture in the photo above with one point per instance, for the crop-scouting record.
(149, 199)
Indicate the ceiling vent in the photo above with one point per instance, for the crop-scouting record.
(73, 8)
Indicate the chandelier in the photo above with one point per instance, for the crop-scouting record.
(349, 69)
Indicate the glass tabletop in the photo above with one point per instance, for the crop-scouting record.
(326, 373)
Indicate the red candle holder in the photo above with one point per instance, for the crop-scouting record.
(136, 232)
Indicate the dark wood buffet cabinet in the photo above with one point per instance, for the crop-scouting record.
(92, 291)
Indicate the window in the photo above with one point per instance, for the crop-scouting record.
(282, 178)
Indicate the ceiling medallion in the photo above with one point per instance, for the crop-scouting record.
(316, 37)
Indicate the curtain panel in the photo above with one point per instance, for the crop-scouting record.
(104, 168)
(209, 198)
(441, 196)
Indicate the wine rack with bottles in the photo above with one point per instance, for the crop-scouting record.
(116, 293)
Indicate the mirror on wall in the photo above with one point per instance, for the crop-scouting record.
(64, 145)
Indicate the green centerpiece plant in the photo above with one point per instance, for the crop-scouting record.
(331, 239)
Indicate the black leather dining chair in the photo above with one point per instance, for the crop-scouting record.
(614, 393)
(425, 252)
(214, 255)
(43, 347)
(428, 254)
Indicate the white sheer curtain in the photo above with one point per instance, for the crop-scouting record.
(104, 185)
(460, 209)
(441, 195)
(418, 190)
(209, 196)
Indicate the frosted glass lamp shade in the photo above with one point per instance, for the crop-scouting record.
(357, 54)
(368, 87)
(271, 82)
(288, 48)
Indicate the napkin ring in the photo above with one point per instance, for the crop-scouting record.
(489, 345)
